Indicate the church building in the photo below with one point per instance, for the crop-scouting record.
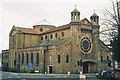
(72, 47)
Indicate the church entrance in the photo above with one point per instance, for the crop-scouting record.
(89, 67)
(50, 69)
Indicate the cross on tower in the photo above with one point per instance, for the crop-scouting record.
(75, 6)
(94, 11)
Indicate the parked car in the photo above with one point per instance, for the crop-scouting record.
(105, 75)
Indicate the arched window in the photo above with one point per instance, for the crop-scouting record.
(56, 35)
(101, 58)
(27, 58)
(37, 58)
(72, 14)
(107, 57)
(32, 58)
(18, 58)
(22, 58)
(67, 58)
(46, 37)
(41, 38)
(14, 60)
(62, 34)
(41, 29)
(51, 36)
(58, 58)
(15, 56)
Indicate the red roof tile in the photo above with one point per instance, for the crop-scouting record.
(27, 30)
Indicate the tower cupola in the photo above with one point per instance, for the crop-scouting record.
(75, 15)
(94, 19)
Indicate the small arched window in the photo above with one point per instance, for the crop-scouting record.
(27, 57)
(18, 58)
(75, 14)
(62, 34)
(72, 14)
(56, 35)
(41, 38)
(67, 58)
(15, 56)
(41, 29)
(58, 58)
(46, 37)
(101, 58)
(37, 60)
(107, 57)
(51, 36)
(22, 58)
(32, 58)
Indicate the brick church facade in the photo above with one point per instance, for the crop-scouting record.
(71, 47)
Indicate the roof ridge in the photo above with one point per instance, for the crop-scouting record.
(28, 30)
(57, 28)
(25, 28)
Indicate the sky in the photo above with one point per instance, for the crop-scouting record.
(26, 13)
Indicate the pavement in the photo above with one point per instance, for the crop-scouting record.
(37, 76)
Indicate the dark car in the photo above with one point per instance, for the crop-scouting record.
(105, 75)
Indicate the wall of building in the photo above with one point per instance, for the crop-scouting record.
(26, 40)
(5, 56)
(56, 35)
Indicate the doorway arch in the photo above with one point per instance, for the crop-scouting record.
(89, 67)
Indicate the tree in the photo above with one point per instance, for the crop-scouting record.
(112, 24)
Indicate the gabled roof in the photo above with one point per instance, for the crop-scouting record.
(13, 28)
(27, 30)
(85, 19)
(24, 30)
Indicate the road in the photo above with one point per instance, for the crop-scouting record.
(37, 76)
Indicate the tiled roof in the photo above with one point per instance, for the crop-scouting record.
(94, 14)
(27, 30)
(57, 28)
(75, 10)
(49, 43)
(33, 31)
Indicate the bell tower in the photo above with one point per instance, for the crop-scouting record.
(75, 15)
(94, 19)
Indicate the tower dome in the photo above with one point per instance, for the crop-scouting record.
(43, 22)
(43, 26)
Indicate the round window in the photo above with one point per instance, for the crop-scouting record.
(41, 29)
(86, 45)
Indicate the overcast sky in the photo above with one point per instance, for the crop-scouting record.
(26, 13)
